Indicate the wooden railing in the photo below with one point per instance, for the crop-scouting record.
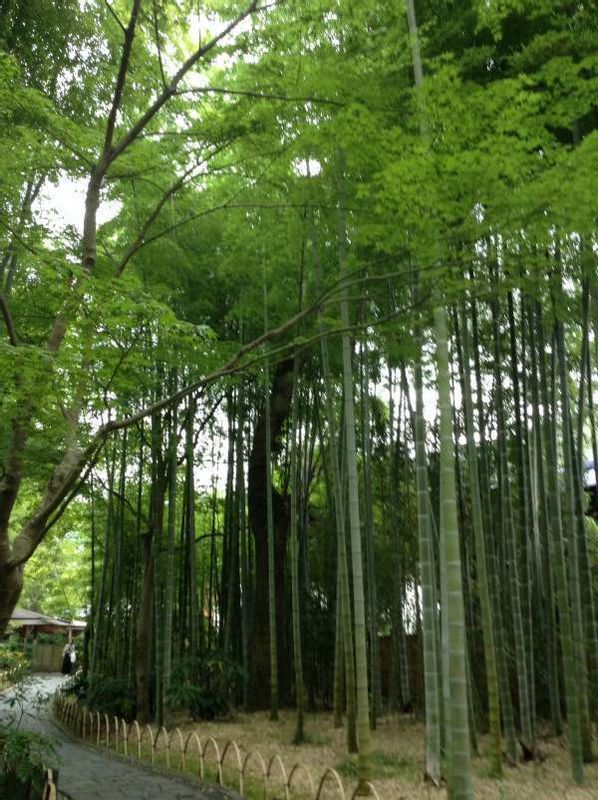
(228, 762)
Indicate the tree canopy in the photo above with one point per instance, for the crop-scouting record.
(338, 261)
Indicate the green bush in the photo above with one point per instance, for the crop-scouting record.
(383, 765)
(203, 686)
(14, 664)
(18, 645)
(108, 695)
(23, 757)
(77, 684)
(51, 638)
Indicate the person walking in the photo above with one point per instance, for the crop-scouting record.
(69, 658)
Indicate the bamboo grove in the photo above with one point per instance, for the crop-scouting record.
(323, 384)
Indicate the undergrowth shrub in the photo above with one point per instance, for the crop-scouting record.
(204, 686)
(52, 638)
(23, 756)
(103, 693)
(14, 664)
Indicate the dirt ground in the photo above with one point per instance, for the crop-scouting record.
(398, 751)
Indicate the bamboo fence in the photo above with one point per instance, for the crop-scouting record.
(203, 757)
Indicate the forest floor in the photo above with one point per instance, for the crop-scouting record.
(398, 755)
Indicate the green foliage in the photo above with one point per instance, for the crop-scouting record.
(104, 693)
(23, 756)
(112, 696)
(591, 528)
(57, 576)
(504, 178)
(51, 638)
(384, 765)
(18, 645)
(204, 685)
(14, 664)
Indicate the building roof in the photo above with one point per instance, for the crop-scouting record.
(23, 616)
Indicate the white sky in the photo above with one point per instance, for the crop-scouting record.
(62, 204)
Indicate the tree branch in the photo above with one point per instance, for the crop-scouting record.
(209, 416)
(8, 321)
(71, 495)
(139, 240)
(67, 472)
(171, 89)
(123, 355)
(232, 366)
(115, 16)
(227, 205)
(158, 46)
(65, 480)
(262, 95)
(120, 79)
(120, 497)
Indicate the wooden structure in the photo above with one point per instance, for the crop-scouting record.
(45, 656)
(29, 623)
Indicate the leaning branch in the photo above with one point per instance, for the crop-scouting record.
(235, 364)
(231, 367)
(153, 216)
(228, 205)
(263, 95)
(66, 479)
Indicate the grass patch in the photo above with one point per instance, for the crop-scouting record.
(316, 739)
(397, 760)
(383, 765)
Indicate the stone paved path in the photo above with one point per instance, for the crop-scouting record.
(89, 774)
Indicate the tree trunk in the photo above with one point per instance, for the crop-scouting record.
(299, 736)
(512, 554)
(457, 724)
(547, 590)
(369, 552)
(557, 558)
(484, 589)
(281, 394)
(11, 585)
(169, 586)
(451, 583)
(428, 578)
(361, 670)
(143, 648)
(343, 594)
